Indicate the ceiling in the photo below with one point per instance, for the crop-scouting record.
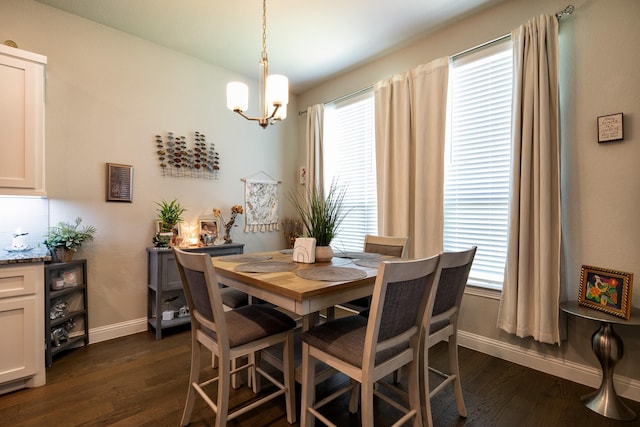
(308, 41)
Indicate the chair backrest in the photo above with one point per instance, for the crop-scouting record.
(386, 245)
(454, 271)
(203, 294)
(402, 299)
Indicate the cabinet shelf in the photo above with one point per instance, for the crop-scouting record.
(65, 291)
(75, 296)
(70, 315)
(68, 345)
(164, 283)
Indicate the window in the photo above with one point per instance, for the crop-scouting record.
(349, 157)
(477, 159)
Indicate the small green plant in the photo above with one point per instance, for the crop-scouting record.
(66, 235)
(170, 213)
(321, 216)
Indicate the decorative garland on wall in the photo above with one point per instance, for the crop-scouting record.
(177, 159)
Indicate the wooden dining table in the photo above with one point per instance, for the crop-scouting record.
(303, 289)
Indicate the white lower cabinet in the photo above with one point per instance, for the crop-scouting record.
(21, 326)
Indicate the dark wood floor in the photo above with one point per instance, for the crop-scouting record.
(137, 381)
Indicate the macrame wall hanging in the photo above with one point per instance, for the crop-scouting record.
(261, 203)
(179, 159)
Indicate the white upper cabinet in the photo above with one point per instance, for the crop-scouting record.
(22, 77)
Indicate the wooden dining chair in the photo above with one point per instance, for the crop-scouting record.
(383, 245)
(229, 335)
(367, 350)
(454, 270)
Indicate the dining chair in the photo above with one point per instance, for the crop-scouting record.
(366, 350)
(383, 245)
(241, 332)
(454, 270)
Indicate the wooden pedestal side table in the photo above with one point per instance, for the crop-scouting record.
(608, 348)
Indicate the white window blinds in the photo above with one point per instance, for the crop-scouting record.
(476, 192)
(349, 157)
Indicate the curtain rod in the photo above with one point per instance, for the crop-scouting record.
(568, 10)
(564, 12)
(342, 98)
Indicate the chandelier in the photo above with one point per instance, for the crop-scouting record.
(274, 89)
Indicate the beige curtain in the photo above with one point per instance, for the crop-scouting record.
(410, 116)
(530, 295)
(315, 164)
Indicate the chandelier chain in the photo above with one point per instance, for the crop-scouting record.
(264, 30)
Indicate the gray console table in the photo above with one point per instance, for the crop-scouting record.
(165, 291)
(607, 345)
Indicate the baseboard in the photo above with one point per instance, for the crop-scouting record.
(117, 330)
(581, 374)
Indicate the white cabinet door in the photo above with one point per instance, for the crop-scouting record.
(17, 326)
(21, 326)
(21, 122)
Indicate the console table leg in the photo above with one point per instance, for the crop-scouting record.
(608, 348)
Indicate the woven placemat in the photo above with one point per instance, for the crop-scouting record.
(373, 263)
(266, 267)
(357, 255)
(331, 274)
(245, 258)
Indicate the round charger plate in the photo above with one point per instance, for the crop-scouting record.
(245, 258)
(331, 274)
(265, 267)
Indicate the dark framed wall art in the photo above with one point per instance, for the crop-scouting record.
(119, 183)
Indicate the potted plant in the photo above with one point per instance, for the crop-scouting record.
(64, 239)
(170, 215)
(321, 216)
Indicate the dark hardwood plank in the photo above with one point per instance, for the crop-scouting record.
(138, 381)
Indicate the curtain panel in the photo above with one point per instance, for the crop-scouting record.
(315, 163)
(410, 117)
(530, 297)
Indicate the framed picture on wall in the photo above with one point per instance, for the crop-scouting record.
(610, 128)
(119, 183)
(606, 290)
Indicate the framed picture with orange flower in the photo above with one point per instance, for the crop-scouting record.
(606, 290)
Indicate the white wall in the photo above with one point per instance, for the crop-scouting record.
(107, 95)
(600, 182)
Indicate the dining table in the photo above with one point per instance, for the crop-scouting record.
(300, 288)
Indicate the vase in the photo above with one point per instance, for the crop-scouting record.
(63, 254)
(324, 253)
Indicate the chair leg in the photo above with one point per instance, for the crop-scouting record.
(455, 370)
(423, 375)
(224, 388)
(307, 419)
(194, 377)
(235, 380)
(413, 380)
(354, 395)
(289, 378)
(253, 378)
(366, 403)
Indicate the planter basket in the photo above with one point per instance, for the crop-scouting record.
(64, 255)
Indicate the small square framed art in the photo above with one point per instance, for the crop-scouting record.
(606, 290)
